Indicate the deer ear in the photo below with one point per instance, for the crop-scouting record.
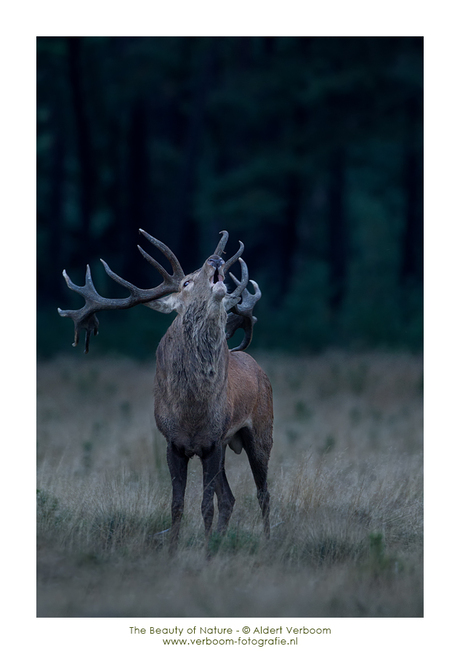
(166, 304)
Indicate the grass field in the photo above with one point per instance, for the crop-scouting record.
(345, 480)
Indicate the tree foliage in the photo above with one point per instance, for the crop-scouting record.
(309, 150)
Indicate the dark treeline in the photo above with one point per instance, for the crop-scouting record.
(309, 150)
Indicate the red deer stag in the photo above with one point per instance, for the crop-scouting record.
(206, 396)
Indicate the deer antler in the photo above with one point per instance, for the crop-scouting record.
(85, 317)
(219, 251)
(241, 315)
(231, 299)
(240, 302)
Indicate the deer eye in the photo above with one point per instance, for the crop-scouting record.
(186, 283)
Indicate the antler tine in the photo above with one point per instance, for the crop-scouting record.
(74, 287)
(242, 316)
(85, 317)
(222, 243)
(233, 298)
(228, 264)
(117, 278)
(249, 300)
(153, 262)
(169, 254)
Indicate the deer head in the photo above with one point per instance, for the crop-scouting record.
(175, 293)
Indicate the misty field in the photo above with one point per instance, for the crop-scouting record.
(345, 479)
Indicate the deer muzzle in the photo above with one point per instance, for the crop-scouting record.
(216, 278)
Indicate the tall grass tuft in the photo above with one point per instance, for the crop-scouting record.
(345, 481)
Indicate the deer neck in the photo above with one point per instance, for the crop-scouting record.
(192, 358)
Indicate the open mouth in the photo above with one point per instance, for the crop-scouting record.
(216, 277)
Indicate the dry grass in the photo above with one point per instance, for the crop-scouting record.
(345, 479)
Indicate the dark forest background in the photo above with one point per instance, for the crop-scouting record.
(309, 150)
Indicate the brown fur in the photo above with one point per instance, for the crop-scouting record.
(207, 398)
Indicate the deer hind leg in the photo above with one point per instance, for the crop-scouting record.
(177, 463)
(225, 498)
(258, 460)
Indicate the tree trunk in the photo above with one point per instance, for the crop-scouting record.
(337, 241)
(412, 244)
(183, 217)
(83, 142)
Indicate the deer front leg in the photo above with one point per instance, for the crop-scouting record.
(177, 463)
(225, 498)
(212, 463)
